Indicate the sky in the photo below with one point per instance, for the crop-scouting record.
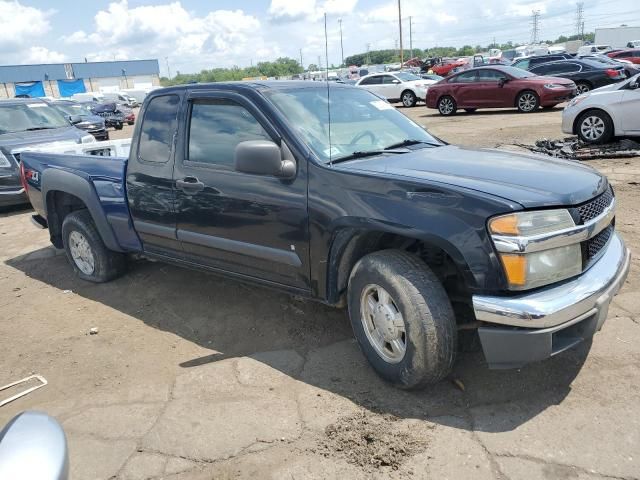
(191, 35)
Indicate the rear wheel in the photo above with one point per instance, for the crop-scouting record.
(595, 126)
(582, 87)
(402, 319)
(527, 101)
(447, 105)
(87, 253)
(409, 98)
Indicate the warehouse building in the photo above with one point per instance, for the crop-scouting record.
(65, 79)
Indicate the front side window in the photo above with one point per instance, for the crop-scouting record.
(522, 64)
(490, 76)
(158, 127)
(217, 126)
(389, 80)
(376, 80)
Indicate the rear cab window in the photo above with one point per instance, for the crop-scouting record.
(158, 128)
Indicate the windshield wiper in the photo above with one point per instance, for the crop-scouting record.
(366, 153)
(38, 128)
(410, 141)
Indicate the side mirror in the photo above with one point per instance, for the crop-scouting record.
(75, 119)
(394, 81)
(33, 445)
(263, 157)
(502, 81)
(634, 85)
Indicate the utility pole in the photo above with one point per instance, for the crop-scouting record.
(535, 26)
(166, 59)
(410, 38)
(368, 56)
(400, 25)
(341, 47)
(301, 64)
(579, 17)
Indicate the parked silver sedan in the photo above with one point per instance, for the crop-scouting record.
(604, 113)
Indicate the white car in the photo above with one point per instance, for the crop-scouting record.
(604, 113)
(397, 86)
(591, 49)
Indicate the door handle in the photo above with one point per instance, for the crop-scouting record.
(190, 185)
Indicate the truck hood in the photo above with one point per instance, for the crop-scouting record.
(527, 179)
(19, 140)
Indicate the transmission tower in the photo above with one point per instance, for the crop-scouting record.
(579, 17)
(535, 26)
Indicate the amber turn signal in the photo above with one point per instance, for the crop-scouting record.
(515, 268)
(505, 225)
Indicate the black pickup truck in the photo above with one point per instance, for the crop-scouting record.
(330, 193)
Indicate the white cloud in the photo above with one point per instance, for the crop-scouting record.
(294, 10)
(20, 24)
(43, 55)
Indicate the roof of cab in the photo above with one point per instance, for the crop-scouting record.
(251, 85)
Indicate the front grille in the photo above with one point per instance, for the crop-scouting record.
(595, 207)
(594, 246)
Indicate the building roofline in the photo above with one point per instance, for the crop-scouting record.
(73, 63)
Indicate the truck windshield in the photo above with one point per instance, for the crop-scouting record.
(360, 121)
(22, 117)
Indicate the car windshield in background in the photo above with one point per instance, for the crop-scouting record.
(21, 117)
(406, 76)
(71, 109)
(360, 121)
(517, 72)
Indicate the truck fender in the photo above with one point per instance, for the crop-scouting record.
(80, 186)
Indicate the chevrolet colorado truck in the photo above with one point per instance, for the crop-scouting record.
(328, 192)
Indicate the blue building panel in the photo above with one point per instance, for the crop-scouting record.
(57, 71)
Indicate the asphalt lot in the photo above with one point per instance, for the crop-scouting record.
(196, 377)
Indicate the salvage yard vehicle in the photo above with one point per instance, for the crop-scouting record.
(328, 192)
(586, 74)
(396, 86)
(498, 87)
(632, 55)
(598, 116)
(81, 118)
(527, 62)
(26, 123)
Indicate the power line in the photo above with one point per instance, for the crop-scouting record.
(535, 26)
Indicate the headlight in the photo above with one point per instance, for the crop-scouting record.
(4, 161)
(88, 139)
(554, 86)
(575, 101)
(535, 269)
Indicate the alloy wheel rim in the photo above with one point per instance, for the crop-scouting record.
(407, 99)
(81, 253)
(592, 127)
(383, 323)
(446, 106)
(582, 89)
(527, 102)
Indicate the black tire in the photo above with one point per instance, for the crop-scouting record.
(107, 264)
(582, 87)
(527, 101)
(591, 123)
(430, 332)
(470, 110)
(119, 126)
(447, 105)
(130, 123)
(408, 98)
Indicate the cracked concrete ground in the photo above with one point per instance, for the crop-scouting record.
(193, 376)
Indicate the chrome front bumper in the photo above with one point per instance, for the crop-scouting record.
(535, 326)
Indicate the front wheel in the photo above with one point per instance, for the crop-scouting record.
(87, 253)
(402, 319)
(409, 98)
(595, 127)
(447, 106)
(527, 101)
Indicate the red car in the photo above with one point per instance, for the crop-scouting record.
(498, 87)
(445, 66)
(632, 55)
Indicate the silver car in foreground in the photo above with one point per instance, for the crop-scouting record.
(604, 113)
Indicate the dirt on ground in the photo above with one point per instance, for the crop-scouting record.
(193, 376)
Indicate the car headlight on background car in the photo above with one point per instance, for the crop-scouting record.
(554, 86)
(88, 139)
(576, 100)
(534, 269)
(4, 161)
